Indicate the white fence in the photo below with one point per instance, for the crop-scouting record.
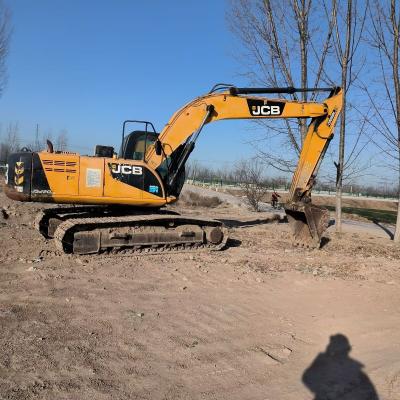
(219, 186)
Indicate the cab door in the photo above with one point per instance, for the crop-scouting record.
(123, 180)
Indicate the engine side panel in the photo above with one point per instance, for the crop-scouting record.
(70, 178)
(61, 172)
(98, 180)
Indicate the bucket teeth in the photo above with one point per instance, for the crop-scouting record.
(308, 223)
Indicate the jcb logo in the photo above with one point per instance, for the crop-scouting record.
(265, 110)
(19, 173)
(126, 169)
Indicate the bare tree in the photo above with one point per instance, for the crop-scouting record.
(4, 152)
(62, 141)
(249, 175)
(36, 144)
(5, 30)
(313, 43)
(349, 26)
(384, 39)
(11, 142)
(286, 42)
(13, 139)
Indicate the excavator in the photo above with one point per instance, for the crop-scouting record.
(118, 199)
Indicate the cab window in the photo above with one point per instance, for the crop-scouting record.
(135, 145)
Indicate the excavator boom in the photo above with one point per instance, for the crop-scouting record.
(308, 221)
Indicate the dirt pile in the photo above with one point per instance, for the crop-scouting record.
(193, 199)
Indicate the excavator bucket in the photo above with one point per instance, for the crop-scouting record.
(308, 223)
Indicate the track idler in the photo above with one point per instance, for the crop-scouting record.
(308, 223)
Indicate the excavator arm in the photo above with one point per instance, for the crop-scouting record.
(176, 141)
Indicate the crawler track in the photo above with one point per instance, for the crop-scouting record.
(88, 230)
(47, 220)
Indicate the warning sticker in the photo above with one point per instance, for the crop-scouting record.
(93, 177)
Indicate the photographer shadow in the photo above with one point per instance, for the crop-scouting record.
(333, 375)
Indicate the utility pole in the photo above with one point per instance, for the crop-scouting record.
(37, 144)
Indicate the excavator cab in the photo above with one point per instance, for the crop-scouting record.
(135, 144)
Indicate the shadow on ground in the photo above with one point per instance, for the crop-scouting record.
(324, 241)
(234, 223)
(233, 243)
(384, 228)
(375, 222)
(333, 375)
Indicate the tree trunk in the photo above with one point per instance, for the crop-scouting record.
(396, 237)
(339, 176)
(340, 166)
(303, 31)
(396, 80)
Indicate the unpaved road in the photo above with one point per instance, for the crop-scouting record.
(244, 323)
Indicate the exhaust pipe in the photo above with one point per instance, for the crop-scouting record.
(308, 223)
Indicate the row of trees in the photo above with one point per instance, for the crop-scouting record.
(231, 175)
(254, 171)
(308, 43)
(11, 141)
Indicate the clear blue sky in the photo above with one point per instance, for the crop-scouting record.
(85, 66)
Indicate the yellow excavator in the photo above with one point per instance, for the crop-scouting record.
(118, 199)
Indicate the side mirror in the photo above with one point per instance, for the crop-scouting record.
(158, 147)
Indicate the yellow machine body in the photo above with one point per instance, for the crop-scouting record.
(96, 180)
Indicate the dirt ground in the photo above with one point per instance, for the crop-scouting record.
(259, 320)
